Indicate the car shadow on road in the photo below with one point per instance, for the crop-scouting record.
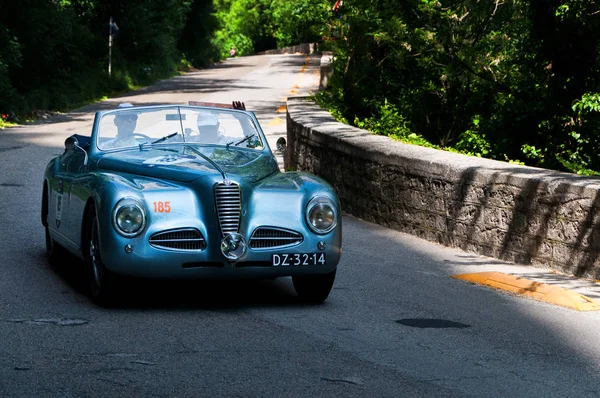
(216, 295)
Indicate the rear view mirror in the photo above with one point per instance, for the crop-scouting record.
(175, 116)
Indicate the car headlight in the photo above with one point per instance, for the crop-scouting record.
(321, 214)
(129, 217)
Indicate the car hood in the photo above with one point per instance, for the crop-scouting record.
(187, 163)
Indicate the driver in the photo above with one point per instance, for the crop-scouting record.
(126, 123)
(208, 129)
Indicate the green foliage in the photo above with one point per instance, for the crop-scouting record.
(333, 102)
(301, 21)
(196, 39)
(387, 121)
(54, 54)
(471, 142)
(242, 24)
(589, 102)
(257, 25)
(4, 121)
(505, 80)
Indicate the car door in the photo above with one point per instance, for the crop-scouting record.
(71, 164)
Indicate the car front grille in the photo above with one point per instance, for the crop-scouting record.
(228, 200)
(271, 237)
(178, 239)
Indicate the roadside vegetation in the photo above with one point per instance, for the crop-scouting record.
(511, 80)
(54, 53)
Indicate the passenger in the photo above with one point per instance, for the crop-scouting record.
(208, 129)
(126, 123)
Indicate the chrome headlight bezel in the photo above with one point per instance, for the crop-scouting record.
(322, 202)
(130, 203)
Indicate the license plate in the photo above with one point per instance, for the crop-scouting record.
(286, 259)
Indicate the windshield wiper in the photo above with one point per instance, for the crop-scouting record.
(166, 137)
(240, 141)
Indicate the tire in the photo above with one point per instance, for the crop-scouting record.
(101, 281)
(314, 288)
(55, 253)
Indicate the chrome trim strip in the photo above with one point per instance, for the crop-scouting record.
(189, 239)
(270, 240)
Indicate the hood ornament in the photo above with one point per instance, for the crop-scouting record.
(227, 181)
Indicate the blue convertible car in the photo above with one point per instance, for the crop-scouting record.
(188, 191)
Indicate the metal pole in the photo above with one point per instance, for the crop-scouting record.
(110, 23)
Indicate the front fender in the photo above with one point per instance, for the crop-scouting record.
(167, 205)
(282, 199)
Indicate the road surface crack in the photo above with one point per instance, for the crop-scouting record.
(349, 380)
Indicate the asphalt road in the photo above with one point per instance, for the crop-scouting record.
(395, 325)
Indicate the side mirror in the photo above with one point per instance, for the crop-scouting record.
(281, 144)
(71, 143)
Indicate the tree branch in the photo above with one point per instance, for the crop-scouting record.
(499, 86)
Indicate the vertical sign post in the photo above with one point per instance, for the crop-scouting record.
(110, 35)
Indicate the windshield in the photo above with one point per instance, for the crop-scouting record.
(131, 127)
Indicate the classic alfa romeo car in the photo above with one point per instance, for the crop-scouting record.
(187, 191)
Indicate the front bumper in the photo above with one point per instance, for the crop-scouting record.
(149, 262)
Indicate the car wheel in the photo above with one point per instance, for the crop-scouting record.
(101, 280)
(314, 288)
(55, 253)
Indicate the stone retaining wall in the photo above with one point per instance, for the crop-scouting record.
(305, 48)
(515, 213)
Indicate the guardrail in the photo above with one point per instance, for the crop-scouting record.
(515, 213)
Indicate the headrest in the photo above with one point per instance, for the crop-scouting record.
(207, 119)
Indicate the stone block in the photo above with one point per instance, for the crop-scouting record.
(503, 196)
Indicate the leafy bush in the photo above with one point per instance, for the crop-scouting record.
(505, 80)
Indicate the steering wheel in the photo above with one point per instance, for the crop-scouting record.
(141, 135)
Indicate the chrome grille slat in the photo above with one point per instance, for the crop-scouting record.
(180, 239)
(272, 237)
(282, 238)
(228, 201)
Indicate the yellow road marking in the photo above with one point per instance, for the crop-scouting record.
(282, 108)
(295, 86)
(541, 291)
(276, 122)
(293, 91)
